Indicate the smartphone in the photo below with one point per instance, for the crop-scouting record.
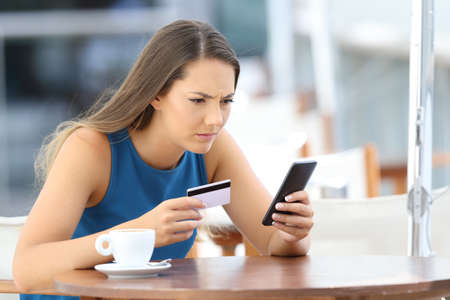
(295, 180)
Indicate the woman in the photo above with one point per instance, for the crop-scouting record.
(128, 162)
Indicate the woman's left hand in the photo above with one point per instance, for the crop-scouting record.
(297, 225)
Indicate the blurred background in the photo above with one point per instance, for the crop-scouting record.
(323, 79)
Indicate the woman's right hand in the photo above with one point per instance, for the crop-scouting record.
(174, 220)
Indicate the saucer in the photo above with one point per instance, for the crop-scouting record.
(117, 271)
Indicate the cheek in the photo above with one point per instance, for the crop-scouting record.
(226, 114)
(183, 118)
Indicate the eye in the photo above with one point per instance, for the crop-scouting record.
(228, 101)
(197, 100)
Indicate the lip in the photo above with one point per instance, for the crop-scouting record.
(206, 136)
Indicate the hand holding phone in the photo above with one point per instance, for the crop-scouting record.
(295, 180)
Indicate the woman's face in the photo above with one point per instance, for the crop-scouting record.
(197, 107)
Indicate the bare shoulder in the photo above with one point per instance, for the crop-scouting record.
(88, 151)
(86, 147)
(91, 137)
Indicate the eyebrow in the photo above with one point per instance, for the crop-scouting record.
(210, 97)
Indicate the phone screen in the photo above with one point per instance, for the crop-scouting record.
(296, 179)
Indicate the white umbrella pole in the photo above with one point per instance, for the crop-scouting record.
(420, 127)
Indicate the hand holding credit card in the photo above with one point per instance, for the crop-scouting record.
(212, 194)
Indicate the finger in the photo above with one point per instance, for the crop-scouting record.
(295, 220)
(183, 226)
(299, 196)
(296, 208)
(181, 236)
(299, 233)
(180, 215)
(185, 203)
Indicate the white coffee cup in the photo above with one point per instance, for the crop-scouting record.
(129, 247)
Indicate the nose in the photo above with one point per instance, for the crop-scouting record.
(214, 115)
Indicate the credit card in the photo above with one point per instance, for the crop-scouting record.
(212, 194)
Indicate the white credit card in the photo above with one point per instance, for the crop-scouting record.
(212, 194)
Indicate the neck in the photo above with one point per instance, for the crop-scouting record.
(155, 148)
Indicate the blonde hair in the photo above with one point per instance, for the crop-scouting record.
(160, 63)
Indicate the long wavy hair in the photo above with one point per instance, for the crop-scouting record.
(160, 63)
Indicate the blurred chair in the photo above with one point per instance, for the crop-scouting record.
(397, 173)
(10, 228)
(222, 232)
(375, 226)
(350, 173)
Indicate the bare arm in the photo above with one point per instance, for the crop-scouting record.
(250, 200)
(79, 175)
(44, 245)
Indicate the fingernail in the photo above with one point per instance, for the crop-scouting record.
(287, 198)
(275, 216)
(279, 206)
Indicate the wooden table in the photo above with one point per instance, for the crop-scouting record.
(309, 277)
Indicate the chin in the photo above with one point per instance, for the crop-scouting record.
(200, 148)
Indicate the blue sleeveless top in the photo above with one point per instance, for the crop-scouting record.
(134, 189)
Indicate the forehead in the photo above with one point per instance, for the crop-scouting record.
(205, 75)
